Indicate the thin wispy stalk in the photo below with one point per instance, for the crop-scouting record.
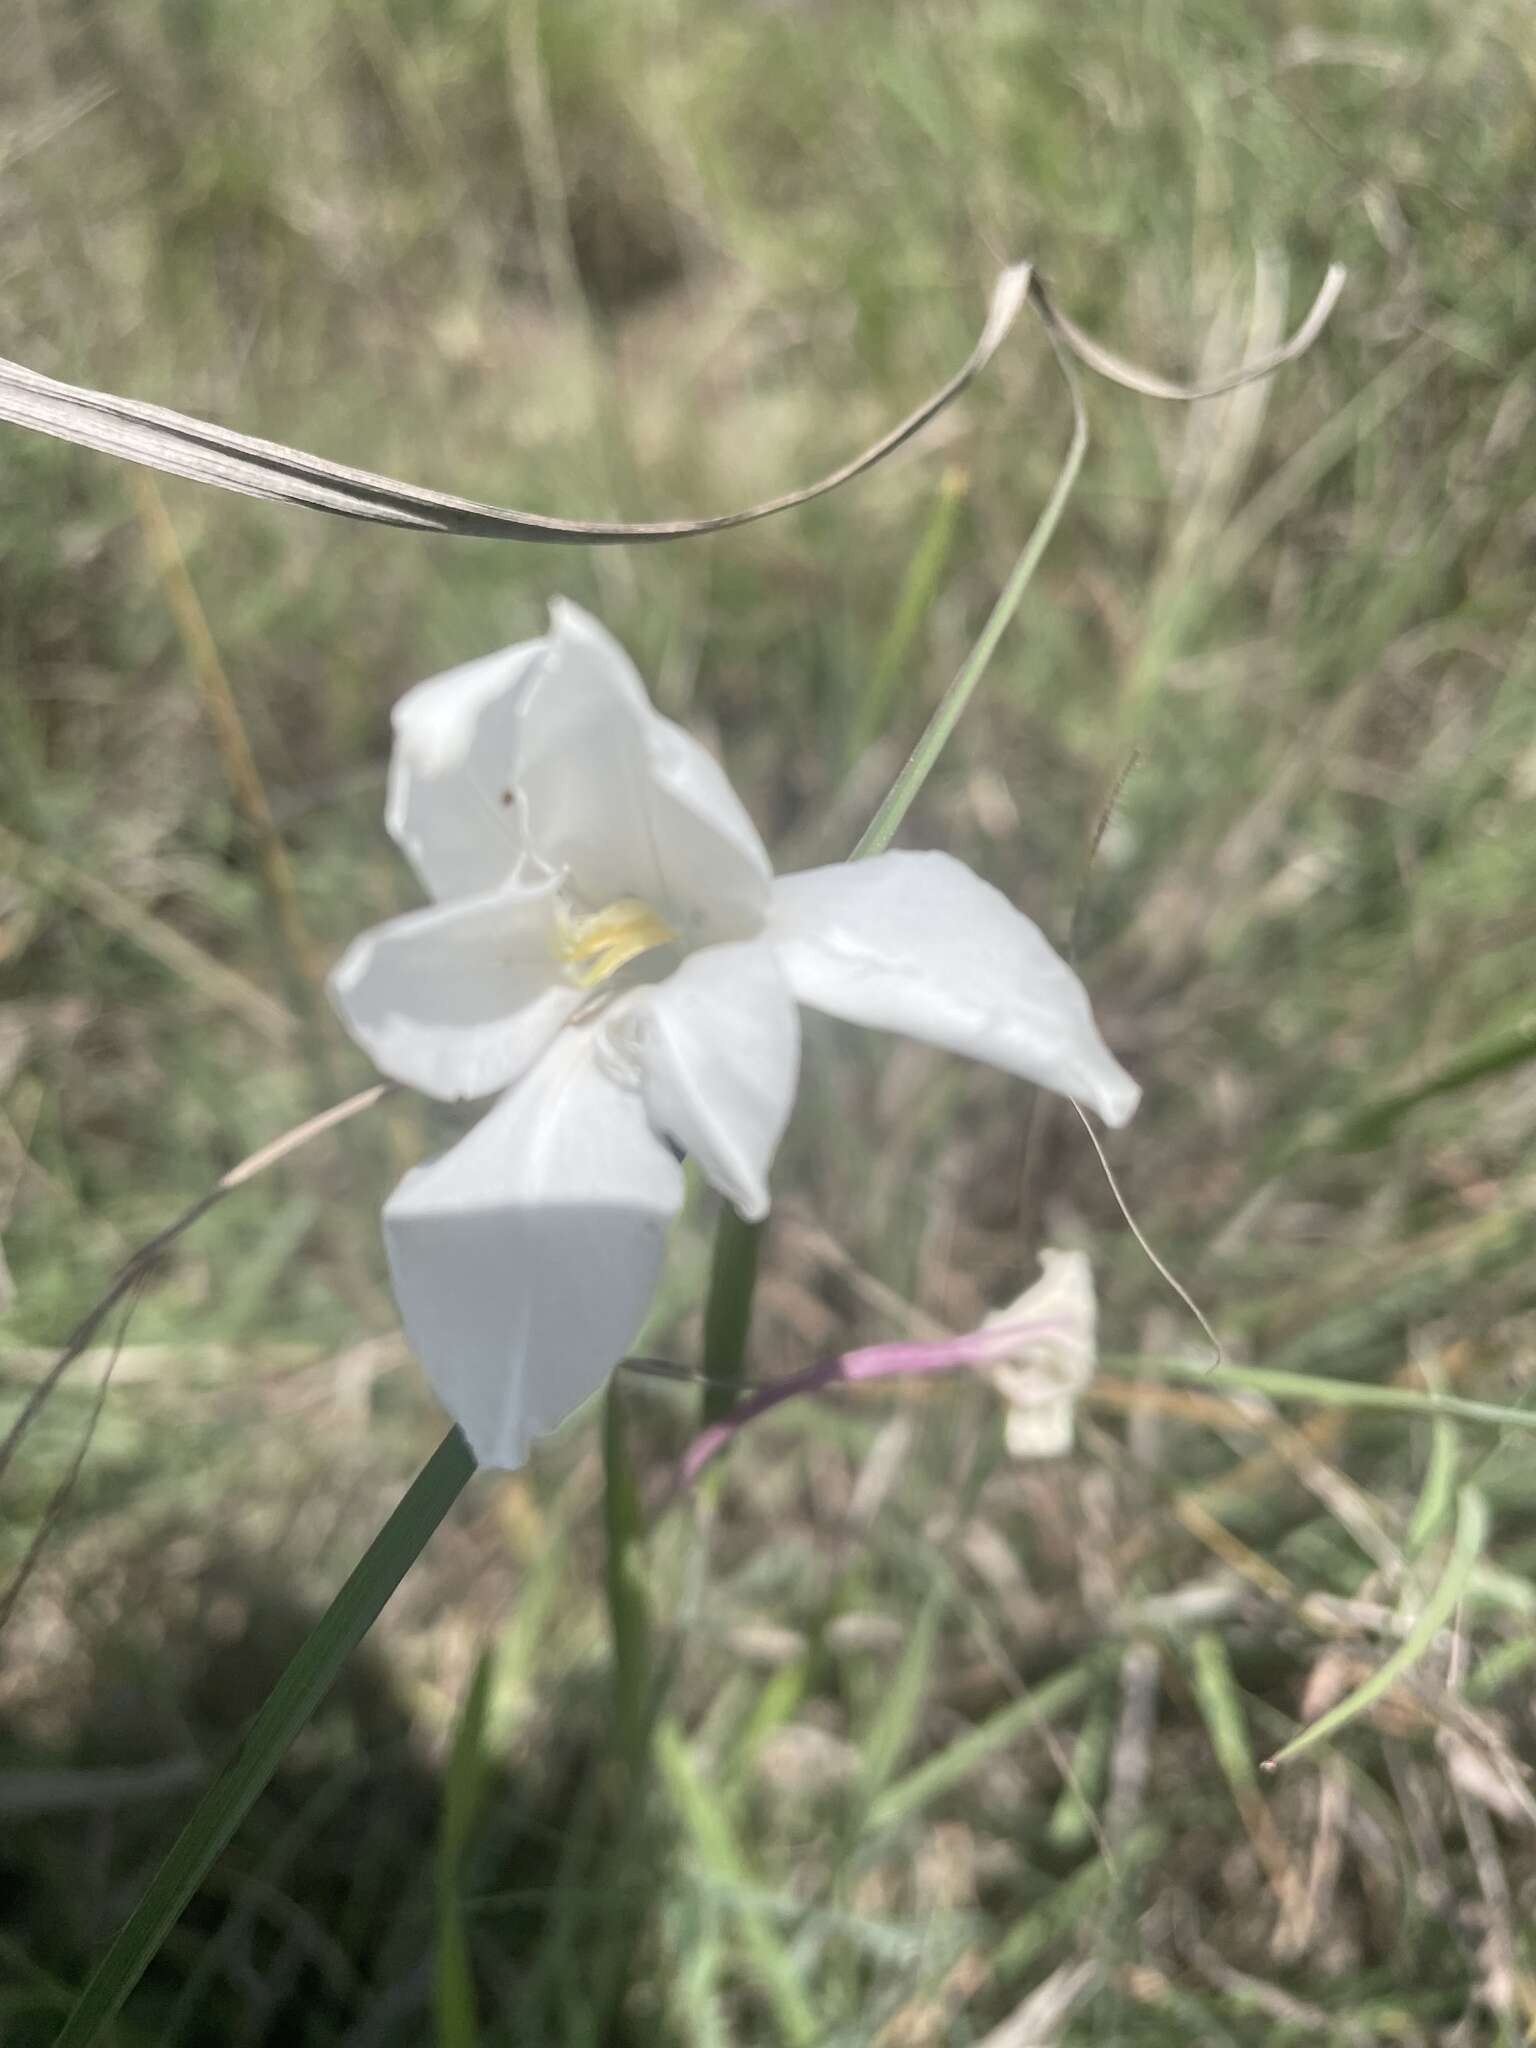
(59, 1499)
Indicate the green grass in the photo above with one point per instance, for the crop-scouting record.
(934, 1730)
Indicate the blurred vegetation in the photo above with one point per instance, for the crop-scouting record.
(948, 1744)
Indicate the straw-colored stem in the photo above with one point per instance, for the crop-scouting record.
(235, 752)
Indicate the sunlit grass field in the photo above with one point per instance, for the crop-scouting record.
(950, 1748)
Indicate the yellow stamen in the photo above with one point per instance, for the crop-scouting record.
(596, 946)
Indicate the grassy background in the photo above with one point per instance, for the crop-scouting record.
(949, 1745)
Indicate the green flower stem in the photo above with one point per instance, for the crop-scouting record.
(288, 1708)
(728, 1311)
(629, 1619)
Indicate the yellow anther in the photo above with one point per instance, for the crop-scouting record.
(597, 945)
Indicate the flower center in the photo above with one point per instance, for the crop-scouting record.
(593, 946)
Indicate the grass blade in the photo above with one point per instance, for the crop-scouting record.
(1466, 1548)
(1372, 1124)
(1437, 1495)
(1221, 1709)
(1085, 1898)
(1340, 1393)
(924, 756)
(1074, 1818)
(890, 1732)
(458, 2022)
(288, 1708)
(709, 1830)
(941, 1773)
(918, 588)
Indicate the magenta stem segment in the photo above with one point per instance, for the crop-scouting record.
(997, 1345)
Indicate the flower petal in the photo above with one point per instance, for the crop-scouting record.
(460, 999)
(449, 808)
(718, 1047)
(626, 801)
(524, 1258)
(915, 942)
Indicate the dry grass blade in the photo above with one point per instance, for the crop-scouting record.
(1094, 356)
(1218, 1354)
(128, 1276)
(218, 983)
(198, 449)
(235, 749)
(1039, 2021)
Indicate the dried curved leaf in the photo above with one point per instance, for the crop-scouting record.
(204, 452)
(1094, 356)
(183, 446)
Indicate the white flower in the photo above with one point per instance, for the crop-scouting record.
(609, 952)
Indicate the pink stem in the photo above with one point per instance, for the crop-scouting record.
(873, 1362)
